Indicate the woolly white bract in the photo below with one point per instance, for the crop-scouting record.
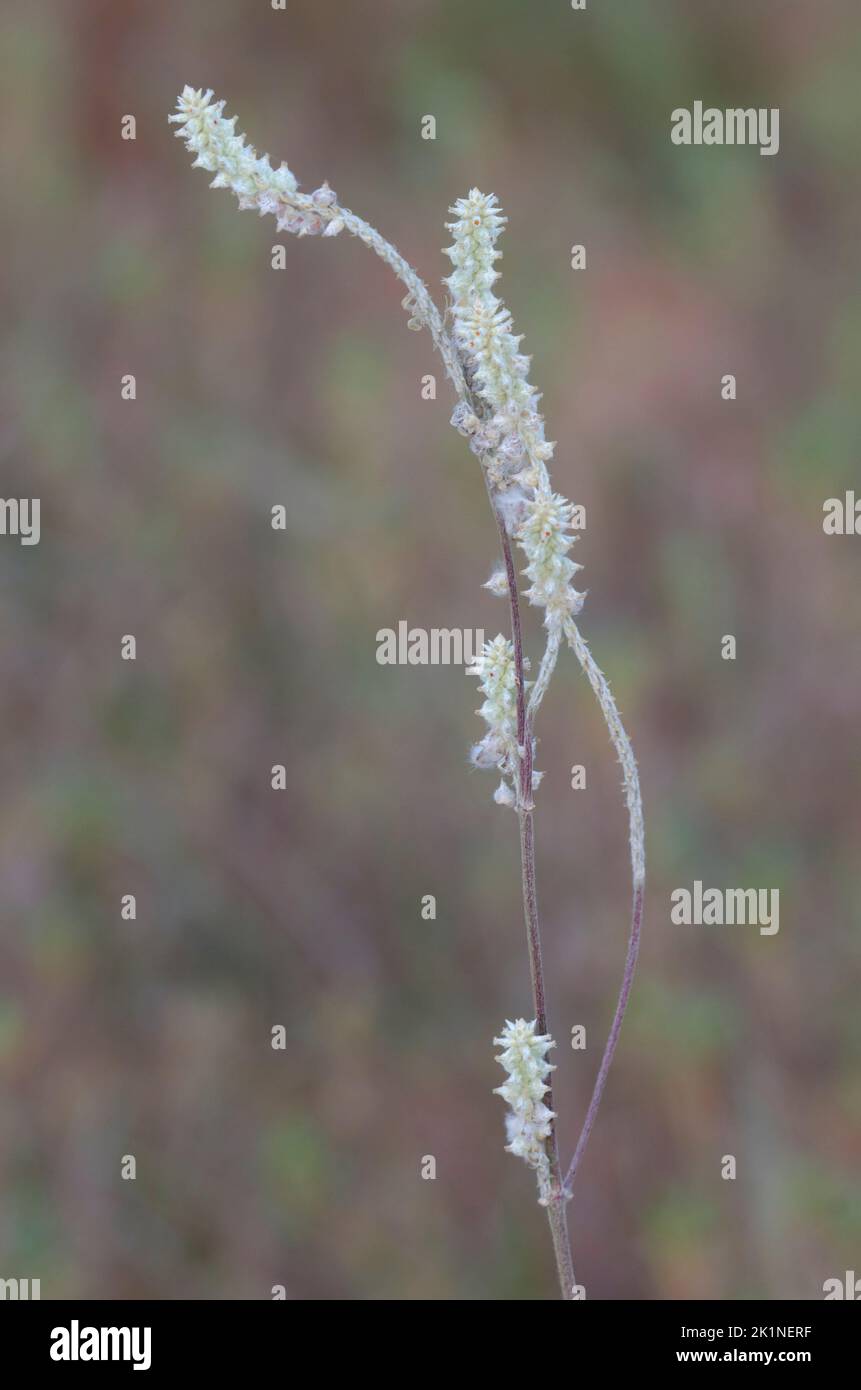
(528, 1124)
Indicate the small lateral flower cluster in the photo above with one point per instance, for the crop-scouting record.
(494, 667)
(499, 749)
(528, 1122)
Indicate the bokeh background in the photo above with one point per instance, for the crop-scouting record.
(302, 908)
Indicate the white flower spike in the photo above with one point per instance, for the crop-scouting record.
(528, 1122)
(497, 682)
(237, 166)
(482, 327)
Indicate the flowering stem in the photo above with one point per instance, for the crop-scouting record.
(556, 1213)
(558, 1196)
(498, 408)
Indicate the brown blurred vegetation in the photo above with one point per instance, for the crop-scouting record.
(256, 387)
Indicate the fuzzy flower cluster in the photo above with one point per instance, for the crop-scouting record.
(524, 1057)
(545, 539)
(495, 670)
(510, 437)
(236, 165)
(499, 748)
(514, 432)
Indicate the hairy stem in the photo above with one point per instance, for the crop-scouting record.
(558, 1196)
(420, 302)
(622, 745)
(613, 1036)
(631, 780)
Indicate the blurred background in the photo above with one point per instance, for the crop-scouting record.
(303, 908)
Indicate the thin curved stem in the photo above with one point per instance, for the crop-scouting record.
(419, 301)
(546, 669)
(613, 1036)
(625, 752)
(621, 743)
